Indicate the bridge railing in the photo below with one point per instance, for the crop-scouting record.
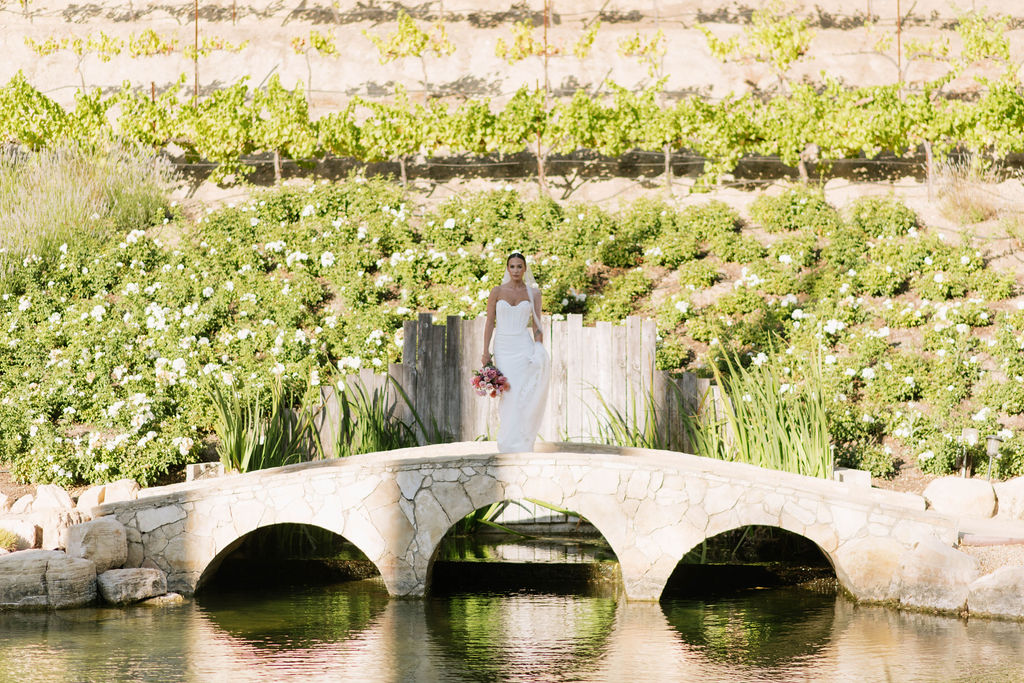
(608, 363)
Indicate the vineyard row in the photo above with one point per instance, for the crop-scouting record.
(806, 124)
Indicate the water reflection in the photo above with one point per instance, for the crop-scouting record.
(522, 636)
(354, 632)
(764, 630)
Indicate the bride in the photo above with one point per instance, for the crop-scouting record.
(519, 354)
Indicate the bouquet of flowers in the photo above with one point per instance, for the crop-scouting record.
(488, 381)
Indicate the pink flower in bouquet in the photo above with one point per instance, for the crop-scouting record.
(488, 381)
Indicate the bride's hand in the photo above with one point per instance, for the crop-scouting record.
(485, 359)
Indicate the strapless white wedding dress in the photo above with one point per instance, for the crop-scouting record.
(526, 364)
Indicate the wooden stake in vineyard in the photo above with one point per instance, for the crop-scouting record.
(195, 57)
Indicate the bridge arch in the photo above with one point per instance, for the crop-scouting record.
(651, 507)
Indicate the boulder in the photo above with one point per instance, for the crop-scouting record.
(125, 586)
(55, 525)
(120, 490)
(869, 568)
(936, 576)
(52, 497)
(998, 593)
(1010, 498)
(22, 505)
(29, 534)
(71, 582)
(165, 600)
(46, 578)
(103, 540)
(961, 497)
(90, 498)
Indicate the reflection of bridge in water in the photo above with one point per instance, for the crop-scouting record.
(353, 632)
(650, 506)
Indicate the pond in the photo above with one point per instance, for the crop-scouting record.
(354, 632)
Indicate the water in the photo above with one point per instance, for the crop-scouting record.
(354, 632)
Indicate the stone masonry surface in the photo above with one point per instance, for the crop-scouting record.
(651, 506)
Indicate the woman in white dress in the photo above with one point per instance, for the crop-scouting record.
(519, 353)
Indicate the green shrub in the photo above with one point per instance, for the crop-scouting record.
(799, 208)
(708, 220)
(878, 216)
(697, 274)
(642, 225)
(878, 279)
(874, 458)
(672, 354)
(8, 540)
(847, 249)
(899, 314)
(938, 285)
(619, 297)
(735, 247)
(940, 455)
(993, 285)
(795, 251)
(498, 217)
(673, 312)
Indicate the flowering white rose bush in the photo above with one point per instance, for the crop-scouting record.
(105, 352)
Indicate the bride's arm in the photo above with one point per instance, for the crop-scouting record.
(492, 302)
(538, 331)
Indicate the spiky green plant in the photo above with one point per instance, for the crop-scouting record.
(368, 420)
(251, 438)
(759, 420)
(771, 423)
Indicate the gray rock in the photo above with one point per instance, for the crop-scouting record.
(125, 586)
(52, 497)
(90, 498)
(55, 525)
(165, 600)
(936, 576)
(1010, 498)
(46, 578)
(961, 497)
(22, 505)
(998, 594)
(71, 582)
(120, 490)
(103, 540)
(870, 568)
(29, 534)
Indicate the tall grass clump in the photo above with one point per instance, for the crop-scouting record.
(764, 420)
(773, 423)
(254, 437)
(68, 195)
(368, 421)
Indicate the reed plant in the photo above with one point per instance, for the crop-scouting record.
(638, 426)
(758, 419)
(769, 422)
(73, 195)
(368, 420)
(252, 437)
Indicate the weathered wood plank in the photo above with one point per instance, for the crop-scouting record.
(556, 426)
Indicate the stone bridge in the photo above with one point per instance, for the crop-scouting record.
(651, 506)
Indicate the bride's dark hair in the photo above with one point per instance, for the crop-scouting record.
(514, 254)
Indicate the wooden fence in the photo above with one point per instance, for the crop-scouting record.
(608, 362)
